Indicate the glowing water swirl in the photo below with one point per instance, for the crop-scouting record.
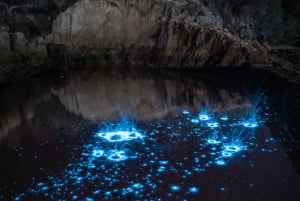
(115, 155)
(120, 136)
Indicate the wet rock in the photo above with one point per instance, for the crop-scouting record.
(19, 43)
(4, 41)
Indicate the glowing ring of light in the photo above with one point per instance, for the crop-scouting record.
(98, 153)
(120, 136)
(250, 125)
(232, 148)
(226, 154)
(220, 162)
(213, 125)
(203, 117)
(116, 156)
(213, 141)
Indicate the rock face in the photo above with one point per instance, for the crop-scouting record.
(158, 33)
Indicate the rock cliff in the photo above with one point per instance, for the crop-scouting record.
(142, 33)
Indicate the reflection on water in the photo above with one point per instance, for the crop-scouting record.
(141, 136)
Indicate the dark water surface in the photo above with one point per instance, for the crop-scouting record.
(111, 135)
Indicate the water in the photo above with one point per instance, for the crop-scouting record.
(111, 135)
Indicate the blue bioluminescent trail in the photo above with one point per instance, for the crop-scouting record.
(153, 160)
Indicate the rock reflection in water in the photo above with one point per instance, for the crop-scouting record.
(107, 95)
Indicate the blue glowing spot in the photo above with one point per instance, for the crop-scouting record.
(138, 185)
(89, 199)
(120, 136)
(163, 162)
(213, 141)
(224, 118)
(203, 117)
(222, 189)
(98, 153)
(161, 169)
(175, 188)
(75, 197)
(194, 190)
(40, 184)
(226, 154)
(232, 148)
(213, 125)
(116, 156)
(220, 162)
(194, 120)
(185, 111)
(45, 188)
(107, 193)
(96, 192)
(250, 124)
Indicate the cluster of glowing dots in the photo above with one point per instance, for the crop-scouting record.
(205, 116)
(117, 136)
(191, 190)
(108, 149)
(229, 150)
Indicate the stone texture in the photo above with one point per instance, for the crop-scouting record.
(158, 33)
(142, 30)
(4, 41)
(19, 43)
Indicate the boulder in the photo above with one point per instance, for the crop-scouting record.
(4, 41)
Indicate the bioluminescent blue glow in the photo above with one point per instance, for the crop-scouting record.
(194, 189)
(213, 124)
(175, 188)
(224, 118)
(220, 162)
(151, 161)
(213, 141)
(227, 153)
(204, 117)
(120, 136)
(98, 152)
(250, 124)
(195, 120)
(115, 155)
(232, 148)
(185, 111)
